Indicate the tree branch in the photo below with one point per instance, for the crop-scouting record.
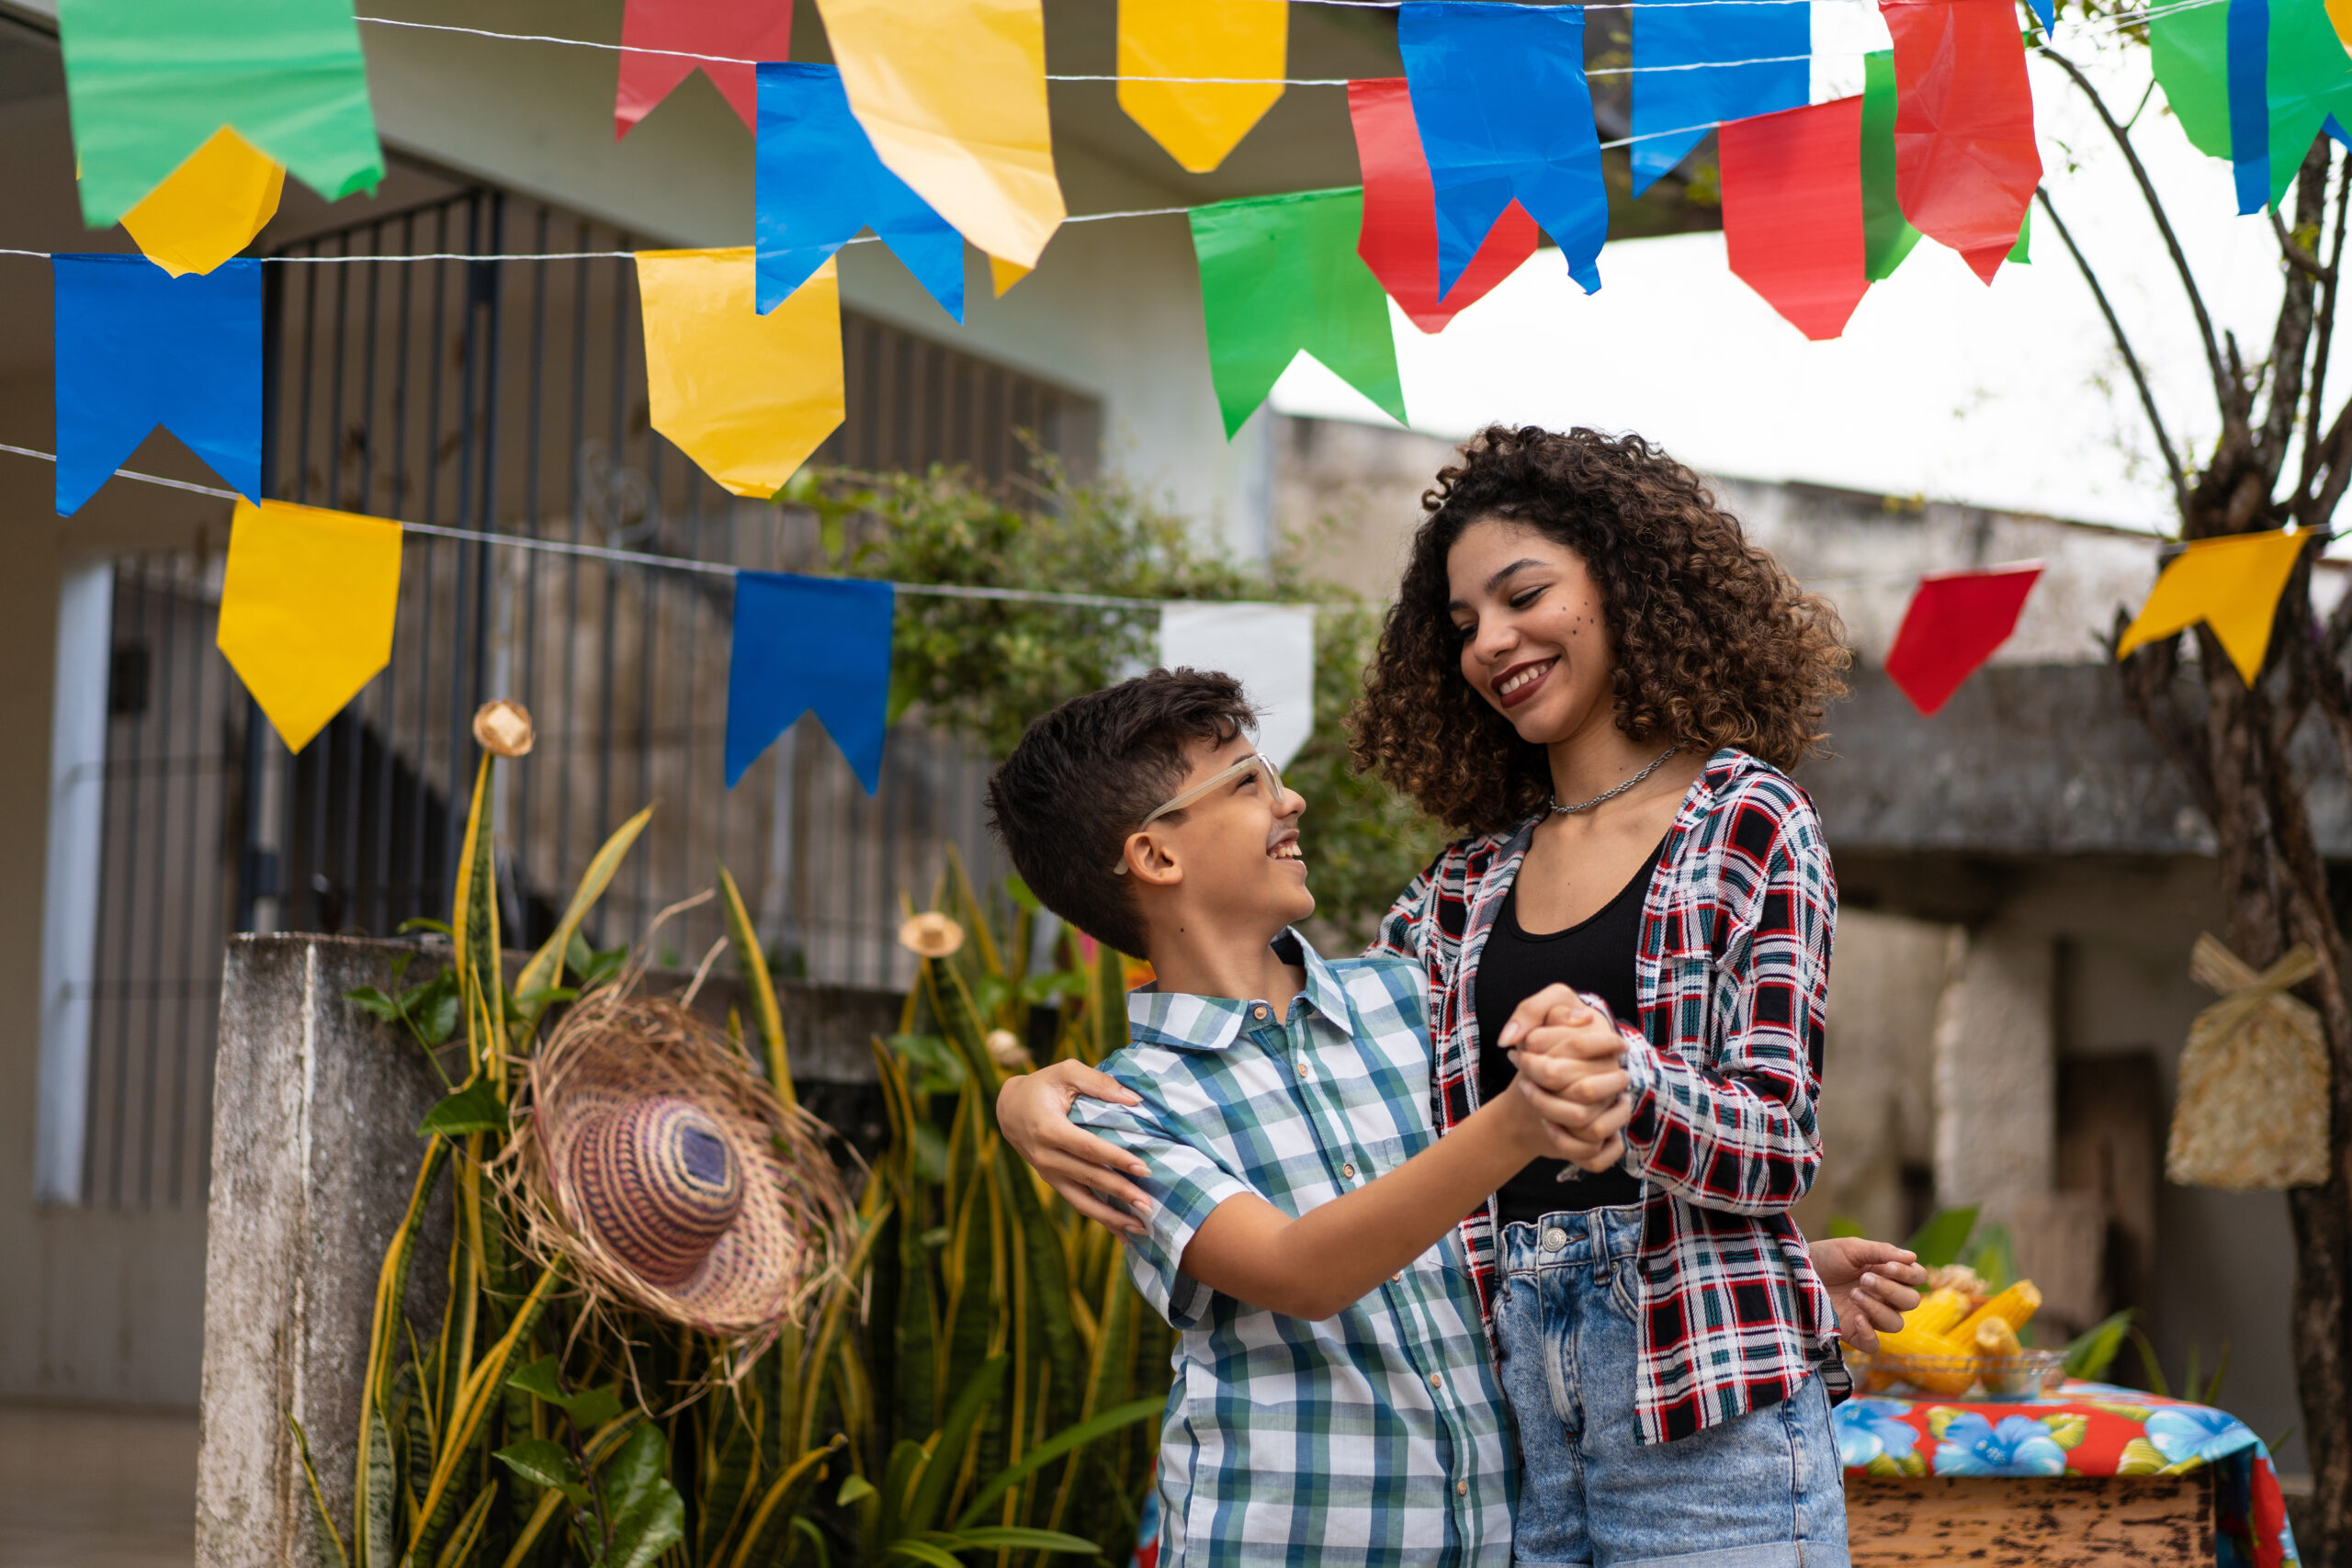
(2301, 259)
(2124, 346)
(2292, 335)
(2226, 391)
(2316, 406)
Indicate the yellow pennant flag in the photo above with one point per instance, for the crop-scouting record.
(1005, 274)
(307, 609)
(746, 396)
(211, 207)
(2232, 584)
(953, 95)
(1199, 122)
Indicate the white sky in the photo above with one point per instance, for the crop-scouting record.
(2011, 396)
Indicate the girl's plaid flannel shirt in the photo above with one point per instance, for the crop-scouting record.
(1733, 976)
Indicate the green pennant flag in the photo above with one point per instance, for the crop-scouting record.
(149, 81)
(1280, 277)
(1887, 238)
(2306, 78)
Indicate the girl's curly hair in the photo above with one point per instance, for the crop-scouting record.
(1716, 644)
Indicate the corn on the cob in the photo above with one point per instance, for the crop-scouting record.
(2016, 1306)
(1936, 1314)
(1996, 1339)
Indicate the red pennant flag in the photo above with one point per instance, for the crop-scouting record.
(1398, 241)
(1965, 163)
(1955, 621)
(1793, 211)
(740, 32)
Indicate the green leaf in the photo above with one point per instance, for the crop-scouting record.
(753, 960)
(922, 1551)
(643, 1511)
(588, 1409)
(1940, 1241)
(1994, 1258)
(330, 1543)
(931, 1153)
(375, 1001)
(941, 1069)
(432, 1008)
(477, 1108)
(1839, 1226)
(545, 966)
(1022, 897)
(376, 1504)
(1018, 1538)
(1053, 1447)
(854, 1487)
(424, 923)
(2091, 1353)
(955, 1434)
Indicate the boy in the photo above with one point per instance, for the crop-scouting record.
(1335, 1400)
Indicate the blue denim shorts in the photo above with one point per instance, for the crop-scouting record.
(1761, 1491)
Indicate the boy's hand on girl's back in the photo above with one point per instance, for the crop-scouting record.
(1571, 1065)
(1033, 1111)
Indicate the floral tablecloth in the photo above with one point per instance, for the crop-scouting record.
(2084, 1429)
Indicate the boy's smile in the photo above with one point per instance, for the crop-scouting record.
(1234, 851)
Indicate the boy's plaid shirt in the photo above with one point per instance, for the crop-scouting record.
(1377, 1436)
(1733, 976)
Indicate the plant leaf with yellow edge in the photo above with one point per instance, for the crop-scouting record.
(2232, 584)
(308, 602)
(747, 396)
(475, 921)
(761, 985)
(539, 975)
(211, 207)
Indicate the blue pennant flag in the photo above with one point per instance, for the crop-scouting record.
(136, 348)
(2249, 64)
(1684, 81)
(804, 643)
(820, 181)
(1499, 93)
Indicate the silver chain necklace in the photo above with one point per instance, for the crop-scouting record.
(1560, 810)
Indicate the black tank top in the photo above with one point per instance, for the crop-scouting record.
(1596, 955)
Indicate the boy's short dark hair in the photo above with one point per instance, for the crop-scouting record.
(1085, 775)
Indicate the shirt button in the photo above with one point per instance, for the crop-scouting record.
(1301, 1070)
(1461, 1489)
(1259, 1011)
(1349, 1171)
(1397, 1278)
(1554, 1239)
(1436, 1380)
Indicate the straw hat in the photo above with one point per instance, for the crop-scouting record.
(656, 1163)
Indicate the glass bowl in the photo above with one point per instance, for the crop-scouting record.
(2022, 1376)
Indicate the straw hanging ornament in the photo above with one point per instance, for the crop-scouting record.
(2252, 1114)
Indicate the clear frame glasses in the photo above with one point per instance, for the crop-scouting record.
(1268, 774)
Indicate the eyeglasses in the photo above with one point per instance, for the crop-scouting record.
(1268, 774)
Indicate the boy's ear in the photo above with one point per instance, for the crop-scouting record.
(1150, 861)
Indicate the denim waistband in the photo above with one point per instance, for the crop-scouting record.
(1572, 1236)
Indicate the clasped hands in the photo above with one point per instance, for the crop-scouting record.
(1571, 1064)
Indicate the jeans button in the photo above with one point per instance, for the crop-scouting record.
(1553, 1240)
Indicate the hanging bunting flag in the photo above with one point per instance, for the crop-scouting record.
(1280, 277)
(137, 348)
(954, 101)
(149, 81)
(747, 396)
(1965, 160)
(819, 183)
(1683, 88)
(1199, 122)
(2339, 14)
(1270, 648)
(2232, 584)
(1793, 211)
(1003, 275)
(1955, 621)
(211, 208)
(1399, 239)
(736, 31)
(306, 605)
(803, 644)
(1500, 95)
(1887, 236)
(2254, 82)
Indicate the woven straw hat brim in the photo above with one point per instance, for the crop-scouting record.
(611, 1053)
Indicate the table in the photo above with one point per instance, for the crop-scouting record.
(2088, 1476)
